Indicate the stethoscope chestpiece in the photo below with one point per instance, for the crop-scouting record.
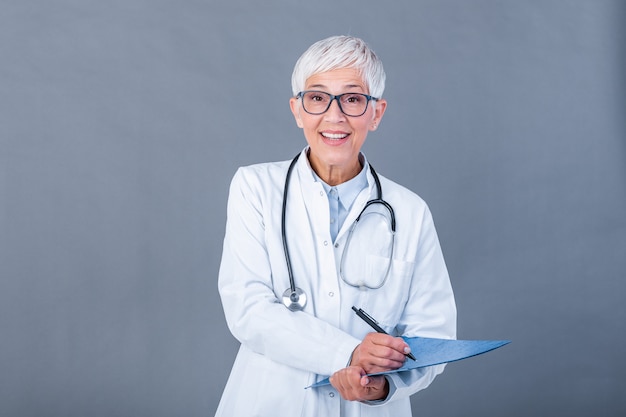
(294, 300)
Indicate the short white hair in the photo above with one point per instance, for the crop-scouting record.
(338, 52)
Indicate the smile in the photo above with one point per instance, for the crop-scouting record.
(334, 135)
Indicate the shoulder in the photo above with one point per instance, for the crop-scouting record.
(258, 187)
(263, 171)
(409, 207)
(260, 176)
(400, 194)
(414, 219)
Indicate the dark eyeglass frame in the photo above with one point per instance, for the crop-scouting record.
(337, 97)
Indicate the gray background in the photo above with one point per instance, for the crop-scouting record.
(123, 121)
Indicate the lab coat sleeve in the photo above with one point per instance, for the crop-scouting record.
(429, 312)
(255, 316)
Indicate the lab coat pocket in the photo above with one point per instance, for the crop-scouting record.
(370, 273)
(387, 303)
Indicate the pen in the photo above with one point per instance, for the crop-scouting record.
(374, 324)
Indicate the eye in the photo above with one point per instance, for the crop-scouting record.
(316, 96)
(353, 98)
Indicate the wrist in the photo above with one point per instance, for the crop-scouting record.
(352, 355)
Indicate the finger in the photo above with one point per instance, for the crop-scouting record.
(338, 382)
(347, 382)
(372, 381)
(379, 362)
(401, 346)
(378, 340)
(396, 343)
(389, 355)
(374, 388)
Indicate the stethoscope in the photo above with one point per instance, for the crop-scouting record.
(294, 298)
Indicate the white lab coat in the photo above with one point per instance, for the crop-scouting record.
(281, 351)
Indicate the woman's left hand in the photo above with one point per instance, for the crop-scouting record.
(353, 385)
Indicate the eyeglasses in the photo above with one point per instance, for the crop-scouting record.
(350, 104)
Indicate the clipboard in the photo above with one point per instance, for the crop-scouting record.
(431, 351)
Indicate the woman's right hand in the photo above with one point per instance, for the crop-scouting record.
(379, 352)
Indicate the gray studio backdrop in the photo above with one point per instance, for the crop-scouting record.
(123, 121)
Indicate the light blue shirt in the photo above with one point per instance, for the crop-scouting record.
(341, 197)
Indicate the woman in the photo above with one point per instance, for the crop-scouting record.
(399, 278)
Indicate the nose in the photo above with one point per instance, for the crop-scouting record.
(334, 112)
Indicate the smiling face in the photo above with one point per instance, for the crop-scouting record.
(335, 139)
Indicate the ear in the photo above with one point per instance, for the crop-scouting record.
(379, 111)
(294, 104)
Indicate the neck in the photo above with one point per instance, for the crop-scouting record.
(335, 175)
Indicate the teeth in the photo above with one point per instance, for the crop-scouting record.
(334, 135)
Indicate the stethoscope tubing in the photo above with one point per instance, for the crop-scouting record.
(293, 297)
(292, 283)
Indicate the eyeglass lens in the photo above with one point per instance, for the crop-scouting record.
(318, 102)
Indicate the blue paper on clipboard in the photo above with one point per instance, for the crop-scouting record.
(429, 351)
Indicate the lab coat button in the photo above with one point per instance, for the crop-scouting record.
(331, 394)
(325, 243)
(331, 294)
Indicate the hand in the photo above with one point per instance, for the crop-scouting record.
(353, 385)
(379, 352)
